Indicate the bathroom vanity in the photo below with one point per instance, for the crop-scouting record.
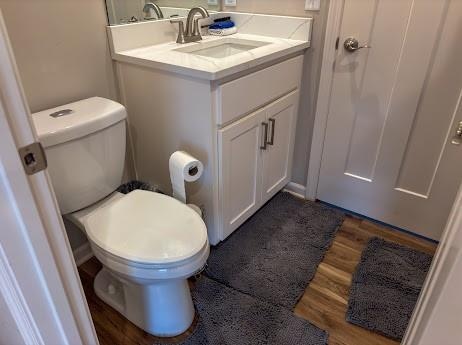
(232, 102)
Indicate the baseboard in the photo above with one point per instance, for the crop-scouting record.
(82, 254)
(296, 189)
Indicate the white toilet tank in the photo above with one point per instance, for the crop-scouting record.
(85, 147)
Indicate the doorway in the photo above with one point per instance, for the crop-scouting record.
(392, 132)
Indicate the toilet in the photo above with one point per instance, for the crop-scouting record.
(148, 243)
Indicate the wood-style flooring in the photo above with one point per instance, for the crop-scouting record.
(324, 302)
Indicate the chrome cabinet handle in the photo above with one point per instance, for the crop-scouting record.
(273, 128)
(265, 136)
(351, 45)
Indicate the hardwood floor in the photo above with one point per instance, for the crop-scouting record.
(324, 302)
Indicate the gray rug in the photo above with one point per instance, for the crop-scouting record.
(229, 317)
(275, 254)
(386, 286)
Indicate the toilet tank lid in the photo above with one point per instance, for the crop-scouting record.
(76, 120)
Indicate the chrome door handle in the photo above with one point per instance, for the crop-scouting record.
(273, 127)
(457, 138)
(265, 136)
(351, 45)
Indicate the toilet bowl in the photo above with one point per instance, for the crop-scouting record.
(148, 243)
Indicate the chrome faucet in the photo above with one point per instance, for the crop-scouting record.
(192, 24)
(152, 6)
(193, 31)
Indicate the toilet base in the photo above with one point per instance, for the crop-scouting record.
(163, 308)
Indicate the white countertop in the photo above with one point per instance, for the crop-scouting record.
(164, 57)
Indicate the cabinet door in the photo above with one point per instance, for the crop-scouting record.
(240, 170)
(277, 159)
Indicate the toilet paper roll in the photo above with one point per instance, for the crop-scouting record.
(183, 167)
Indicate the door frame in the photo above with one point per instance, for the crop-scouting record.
(39, 281)
(439, 286)
(334, 21)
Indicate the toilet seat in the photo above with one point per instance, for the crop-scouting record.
(147, 230)
(143, 273)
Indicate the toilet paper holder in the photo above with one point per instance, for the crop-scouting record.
(184, 168)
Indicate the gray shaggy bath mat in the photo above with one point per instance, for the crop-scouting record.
(229, 317)
(275, 254)
(134, 185)
(386, 286)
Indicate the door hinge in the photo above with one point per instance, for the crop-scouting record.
(457, 138)
(33, 158)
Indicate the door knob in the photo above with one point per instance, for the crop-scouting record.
(351, 45)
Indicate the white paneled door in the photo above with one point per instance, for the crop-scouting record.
(391, 150)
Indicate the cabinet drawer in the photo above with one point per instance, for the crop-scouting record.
(246, 94)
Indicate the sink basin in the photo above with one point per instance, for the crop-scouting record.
(222, 48)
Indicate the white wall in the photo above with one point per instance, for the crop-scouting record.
(61, 50)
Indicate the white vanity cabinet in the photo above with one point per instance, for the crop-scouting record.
(255, 159)
(223, 123)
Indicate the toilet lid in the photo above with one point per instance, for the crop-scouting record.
(147, 227)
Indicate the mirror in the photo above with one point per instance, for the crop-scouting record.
(134, 11)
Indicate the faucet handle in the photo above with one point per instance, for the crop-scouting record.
(180, 39)
(176, 19)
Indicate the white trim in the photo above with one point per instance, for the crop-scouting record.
(296, 189)
(82, 254)
(25, 250)
(444, 261)
(334, 21)
(16, 303)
